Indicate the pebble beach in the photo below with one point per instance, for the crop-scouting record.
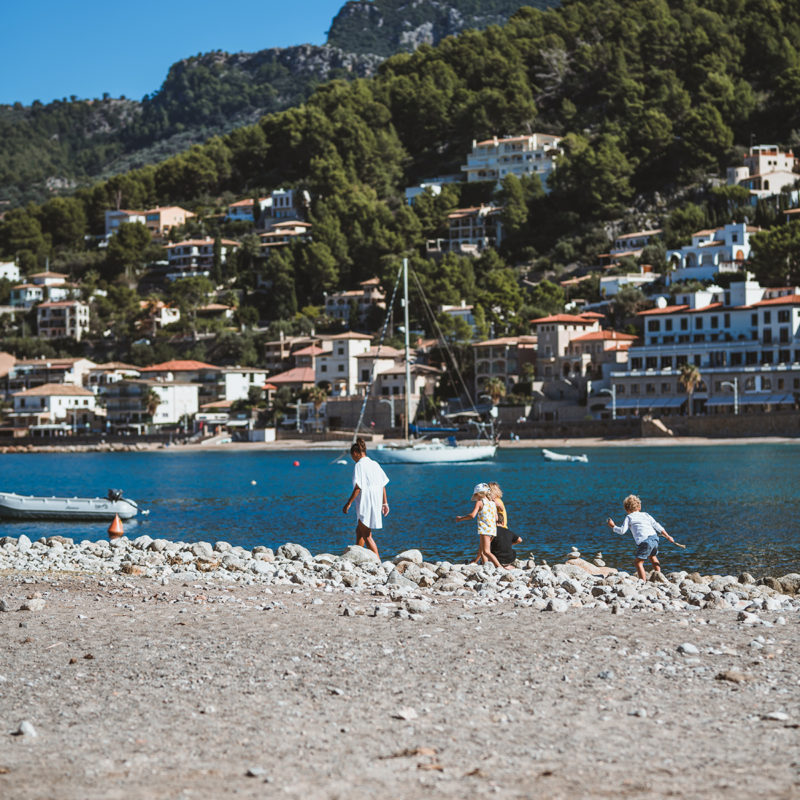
(152, 668)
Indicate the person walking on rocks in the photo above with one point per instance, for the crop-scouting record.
(486, 512)
(644, 530)
(369, 493)
(502, 544)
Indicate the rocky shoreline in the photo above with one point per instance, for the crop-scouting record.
(574, 584)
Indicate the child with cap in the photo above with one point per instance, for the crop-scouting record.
(486, 512)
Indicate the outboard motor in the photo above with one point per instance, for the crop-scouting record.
(114, 495)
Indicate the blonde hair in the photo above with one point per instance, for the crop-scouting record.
(495, 492)
(632, 503)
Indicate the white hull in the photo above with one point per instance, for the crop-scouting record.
(17, 506)
(433, 453)
(549, 455)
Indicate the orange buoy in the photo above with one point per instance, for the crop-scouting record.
(115, 528)
(295, 463)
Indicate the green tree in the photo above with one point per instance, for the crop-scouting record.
(127, 250)
(188, 294)
(689, 378)
(775, 255)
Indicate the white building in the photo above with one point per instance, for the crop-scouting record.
(9, 270)
(42, 286)
(766, 171)
(338, 363)
(430, 185)
(611, 284)
(493, 159)
(196, 256)
(244, 210)
(236, 382)
(338, 304)
(102, 375)
(53, 403)
(714, 250)
(65, 319)
(120, 216)
(470, 231)
(744, 334)
(128, 403)
(29, 373)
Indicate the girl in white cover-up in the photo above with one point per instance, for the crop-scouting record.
(369, 492)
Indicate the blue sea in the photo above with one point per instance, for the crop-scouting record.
(735, 507)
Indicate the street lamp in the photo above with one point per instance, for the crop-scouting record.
(390, 403)
(734, 384)
(613, 392)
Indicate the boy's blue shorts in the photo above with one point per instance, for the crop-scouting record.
(647, 548)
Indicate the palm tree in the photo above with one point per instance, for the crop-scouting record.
(495, 388)
(153, 402)
(317, 395)
(689, 379)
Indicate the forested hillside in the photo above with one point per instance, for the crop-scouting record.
(654, 97)
(51, 148)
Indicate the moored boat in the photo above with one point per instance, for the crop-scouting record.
(433, 452)
(550, 455)
(20, 507)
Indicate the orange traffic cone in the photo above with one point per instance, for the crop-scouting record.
(115, 528)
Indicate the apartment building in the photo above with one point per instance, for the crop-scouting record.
(67, 319)
(470, 231)
(29, 373)
(368, 295)
(196, 256)
(338, 365)
(53, 403)
(119, 216)
(504, 358)
(745, 337)
(493, 159)
(162, 219)
(131, 407)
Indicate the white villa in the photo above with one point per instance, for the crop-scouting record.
(766, 171)
(337, 304)
(711, 251)
(195, 256)
(493, 159)
(338, 363)
(63, 319)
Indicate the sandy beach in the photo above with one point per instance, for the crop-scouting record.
(120, 686)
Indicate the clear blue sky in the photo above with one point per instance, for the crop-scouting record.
(54, 49)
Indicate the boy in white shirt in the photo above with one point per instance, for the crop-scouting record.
(644, 530)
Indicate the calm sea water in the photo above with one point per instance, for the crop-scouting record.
(735, 507)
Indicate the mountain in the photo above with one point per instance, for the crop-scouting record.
(47, 149)
(386, 27)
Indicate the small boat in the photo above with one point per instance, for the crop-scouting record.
(18, 506)
(549, 455)
(433, 451)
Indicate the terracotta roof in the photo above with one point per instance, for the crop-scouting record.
(246, 202)
(50, 389)
(52, 362)
(710, 307)
(639, 233)
(592, 315)
(269, 386)
(607, 335)
(565, 318)
(705, 232)
(61, 304)
(291, 223)
(48, 275)
(348, 335)
(517, 139)
(419, 368)
(503, 340)
(381, 352)
(786, 300)
(665, 310)
(311, 350)
(169, 208)
(178, 366)
(218, 404)
(296, 375)
(199, 242)
(114, 365)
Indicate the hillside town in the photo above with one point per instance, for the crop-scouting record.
(704, 339)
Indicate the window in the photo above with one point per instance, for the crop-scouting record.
(620, 388)
(751, 357)
(715, 322)
(783, 335)
(766, 357)
(783, 316)
(650, 388)
(340, 351)
(651, 362)
(323, 368)
(754, 319)
(666, 388)
(736, 359)
(636, 363)
(784, 356)
(666, 362)
(340, 368)
(667, 324)
(780, 383)
(698, 323)
(767, 317)
(364, 375)
(684, 324)
(634, 388)
(766, 383)
(767, 336)
(727, 321)
(653, 325)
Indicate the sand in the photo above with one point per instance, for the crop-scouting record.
(142, 690)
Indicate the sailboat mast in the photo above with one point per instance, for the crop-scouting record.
(408, 365)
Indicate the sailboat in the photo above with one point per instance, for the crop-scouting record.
(434, 450)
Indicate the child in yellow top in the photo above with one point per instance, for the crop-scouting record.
(486, 512)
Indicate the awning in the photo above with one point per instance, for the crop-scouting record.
(648, 402)
(721, 400)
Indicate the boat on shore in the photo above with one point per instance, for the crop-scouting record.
(549, 455)
(24, 507)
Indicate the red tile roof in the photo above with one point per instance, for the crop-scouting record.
(569, 319)
(50, 389)
(665, 310)
(607, 335)
(296, 375)
(711, 307)
(178, 366)
(786, 300)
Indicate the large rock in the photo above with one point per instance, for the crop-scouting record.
(398, 579)
(360, 555)
(408, 555)
(23, 544)
(791, 583)
(294, 552)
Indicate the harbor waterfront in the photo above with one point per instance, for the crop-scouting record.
(735, 508)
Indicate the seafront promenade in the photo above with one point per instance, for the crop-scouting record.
(160, 669)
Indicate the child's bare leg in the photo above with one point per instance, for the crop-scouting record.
(640, 568)
(364, 538)
(486, 551)
(656, 563)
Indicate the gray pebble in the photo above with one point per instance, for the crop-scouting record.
(25, 729)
